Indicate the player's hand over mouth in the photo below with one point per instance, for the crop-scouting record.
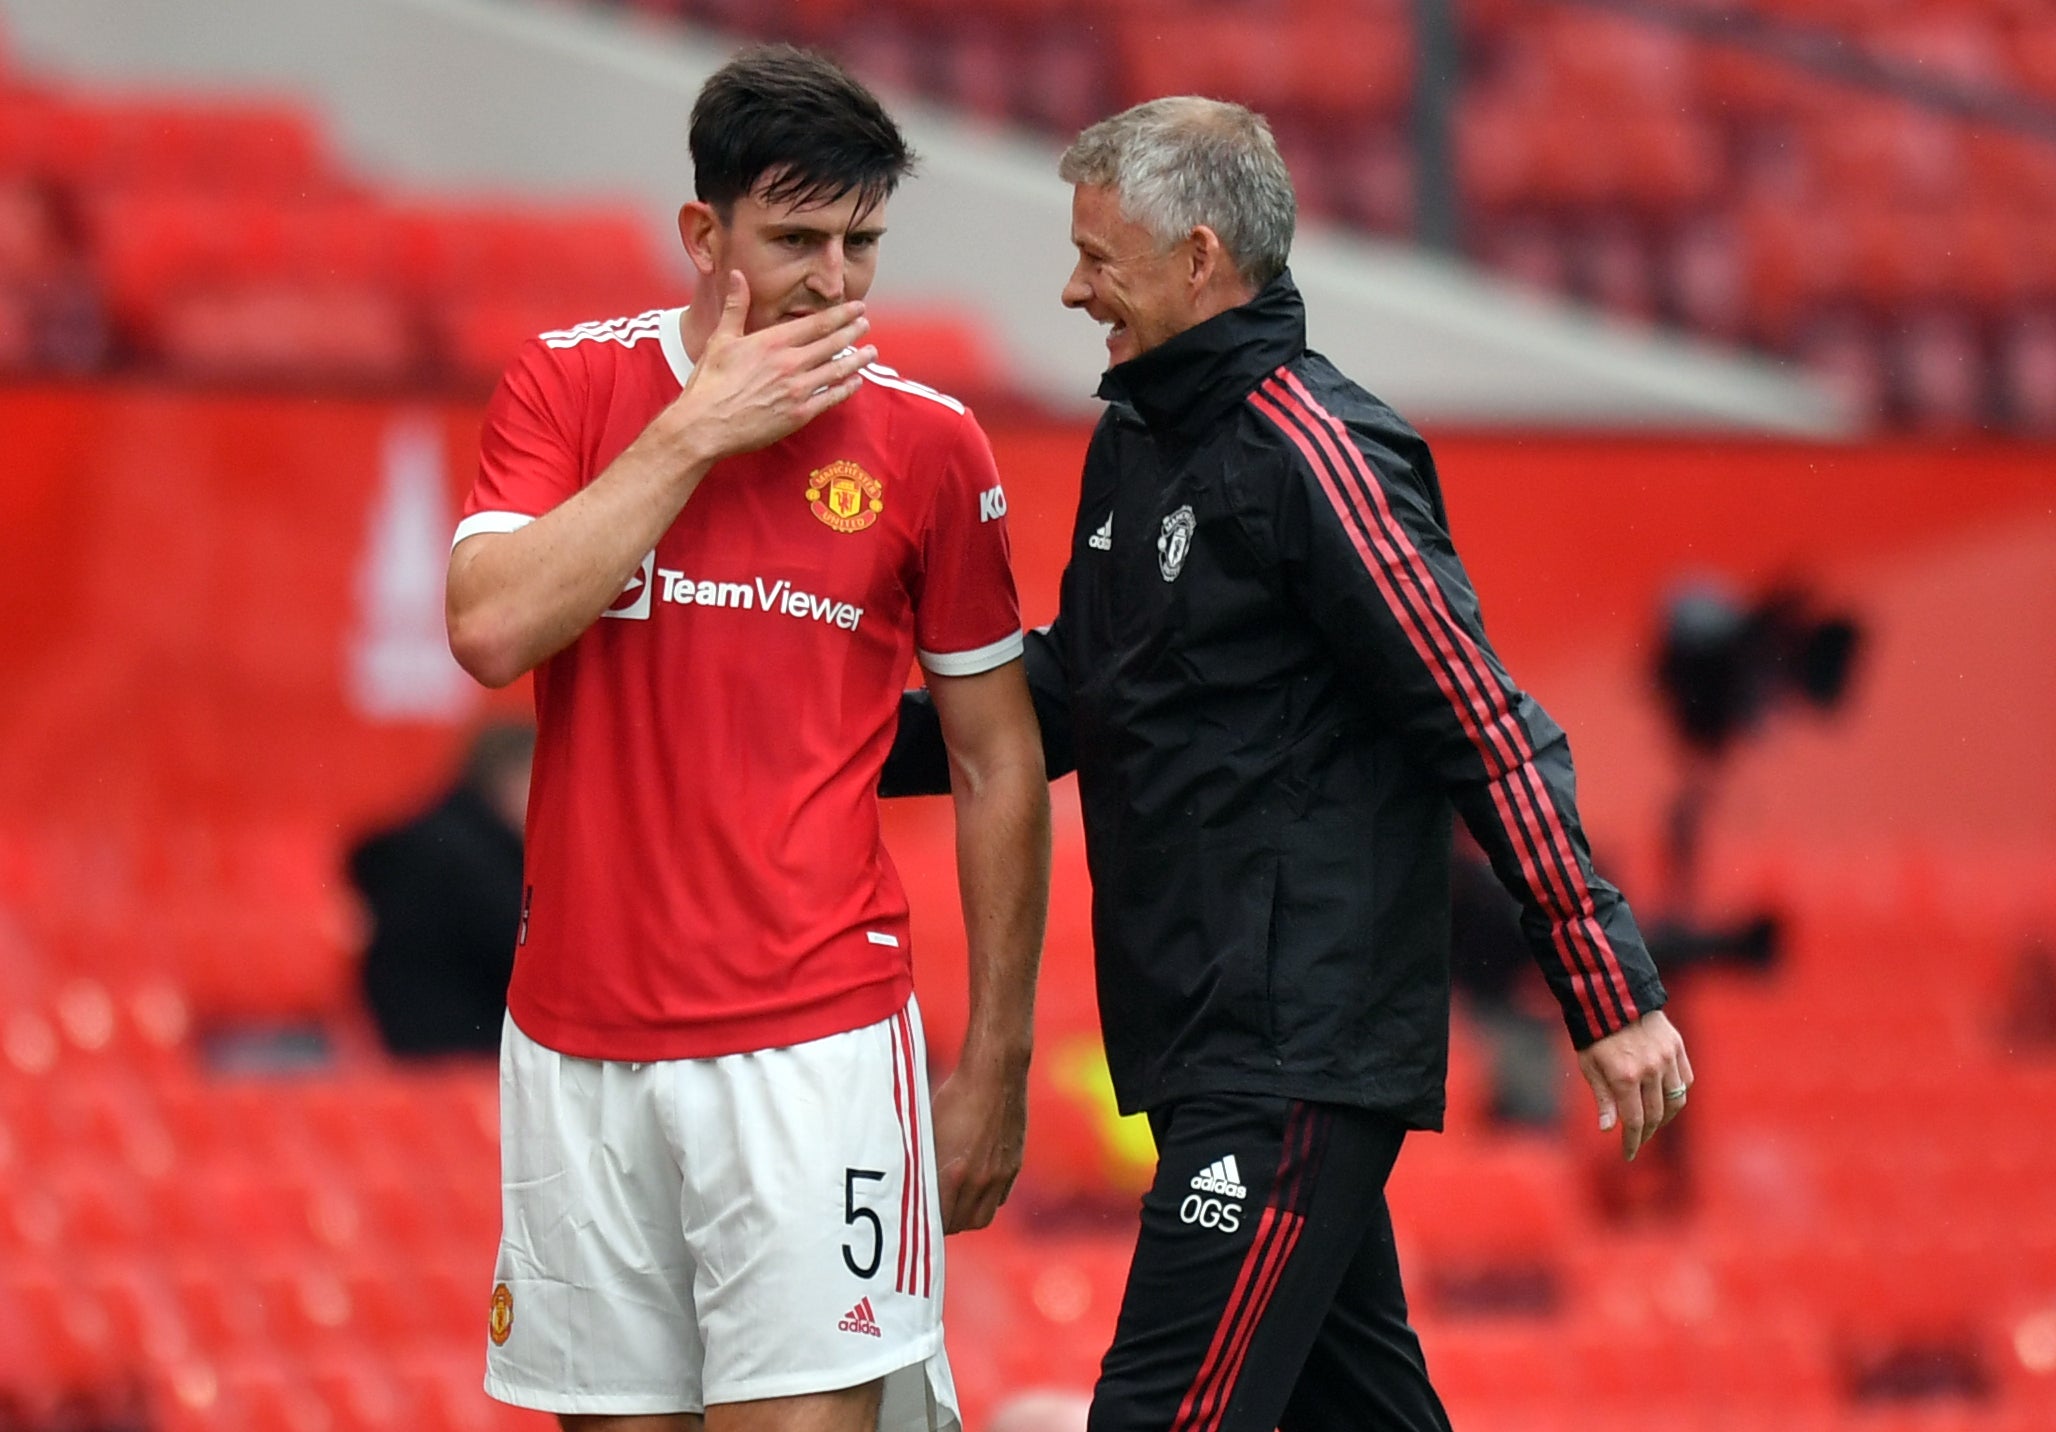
(750, 389)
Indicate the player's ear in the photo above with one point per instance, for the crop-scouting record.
(698, 228)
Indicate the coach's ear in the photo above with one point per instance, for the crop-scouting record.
(699, 230)
(1211, 276)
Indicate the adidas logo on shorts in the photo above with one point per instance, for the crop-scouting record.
(860, 1320)
(1222, 1176)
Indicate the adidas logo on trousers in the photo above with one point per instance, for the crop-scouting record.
(1222, 1176)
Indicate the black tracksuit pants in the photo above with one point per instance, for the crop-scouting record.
(1264, 1292)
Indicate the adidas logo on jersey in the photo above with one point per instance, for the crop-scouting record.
(860, 1320)
(1103, 540)
(1222, 1176)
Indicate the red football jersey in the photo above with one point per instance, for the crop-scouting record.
(705, 871)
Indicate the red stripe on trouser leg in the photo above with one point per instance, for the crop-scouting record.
(903, 1089)
(921, 1262)
(1206, 1400)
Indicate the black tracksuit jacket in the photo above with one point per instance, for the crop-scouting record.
(1269, 672)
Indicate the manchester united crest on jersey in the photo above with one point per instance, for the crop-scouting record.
(500, 1318)
(844, 496)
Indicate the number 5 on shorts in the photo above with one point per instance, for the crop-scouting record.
(852, 1213)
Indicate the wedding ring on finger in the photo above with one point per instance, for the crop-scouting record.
(1674, 1096)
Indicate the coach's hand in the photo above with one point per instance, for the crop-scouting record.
(981, 1126)
(748, 390)
(1640, 1078)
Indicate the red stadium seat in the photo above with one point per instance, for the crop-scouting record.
(444, 1386)
(1487, 1369)
(363, 1393)
(182, 142)
(2028, 364)
(290, 333)
(1335, 66)
(2033, 51)
(980, 71)
(222, 1311)
(1875, 151)
(1753, 87)
(937, 346)
(1485, 1225)
(2012, 172)
(1796, 264)
(311, 1310)
(1950, 48)
(1942, 371)
(600, 258)
(1604, 64)
(477, 336)
(105, 1209)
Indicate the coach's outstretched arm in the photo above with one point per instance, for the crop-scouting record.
(1002, 809)
(918, 764)
(516, 598)
(1365, 545)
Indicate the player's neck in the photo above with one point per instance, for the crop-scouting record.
(696, 323)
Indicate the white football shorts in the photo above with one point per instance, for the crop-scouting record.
(698, 1231)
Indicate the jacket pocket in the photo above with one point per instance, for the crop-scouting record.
(1184, 936)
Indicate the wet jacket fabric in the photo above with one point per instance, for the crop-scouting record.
(1269, 671)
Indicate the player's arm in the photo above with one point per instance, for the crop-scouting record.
(918, 764)
(1367, 547)
(516, 598)
(1001, 795)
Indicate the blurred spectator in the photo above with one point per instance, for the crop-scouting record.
(2030, 1022)
(51, 318)
(1488, 956)
(444, 891)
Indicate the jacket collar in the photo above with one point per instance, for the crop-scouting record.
(1185, 385)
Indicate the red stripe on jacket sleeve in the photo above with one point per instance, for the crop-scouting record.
(1453, 657)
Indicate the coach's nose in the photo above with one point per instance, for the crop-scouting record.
(1077, 292)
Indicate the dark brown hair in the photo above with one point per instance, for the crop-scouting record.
(793, 127)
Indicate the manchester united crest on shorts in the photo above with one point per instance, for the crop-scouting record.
(844, 496)
(499, 1321)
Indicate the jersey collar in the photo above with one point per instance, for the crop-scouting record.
(671, 336)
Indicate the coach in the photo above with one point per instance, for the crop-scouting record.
(1269, 672)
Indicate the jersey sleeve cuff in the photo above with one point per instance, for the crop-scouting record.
(480, 523)
(971, 663)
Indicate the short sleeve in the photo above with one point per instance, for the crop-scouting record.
(527, 461)
(967, 617)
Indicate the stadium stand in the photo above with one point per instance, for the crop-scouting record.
(1866, 185)
(184, 1245)
(221, 242)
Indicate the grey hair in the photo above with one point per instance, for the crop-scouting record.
(1183, 161)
